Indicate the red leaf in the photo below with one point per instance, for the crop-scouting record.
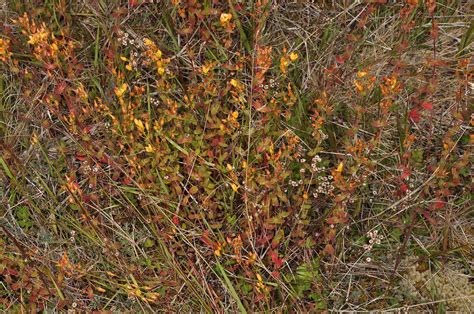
(264, 239)
(133, 3)
(428, 105)
(176, 220)
(340, 59)
(405, 174)
(404, 188)
(59, 90)
(206, 240)
(276, 274)
(80, 156)
(428, 217)
(414, 115)
(439, 204)
(276, 260)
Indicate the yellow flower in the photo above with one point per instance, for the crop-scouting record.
(339, 167)
(293, 56)
(149, 148)
(34, 138)
(234, 82)
(55, 47)
(361, 74)
(120, 91)
(392, 82)
(39, 36)
(139, 124)
(147, 42)
(252, 258)
(225, 18)
(359, 86)
(206, 69)
(235, 114)
(283, 64)
(234, 187)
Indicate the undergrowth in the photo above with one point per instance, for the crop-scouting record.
(236, 156)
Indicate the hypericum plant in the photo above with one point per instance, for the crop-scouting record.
(192, 161)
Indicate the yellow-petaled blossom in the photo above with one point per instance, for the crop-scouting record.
(34, 138)
(121, 90)
(339, 167)
(139, 124)
(293, 56)
(229, 167)
(234, 82)
(359, 86)
(217, 251)
(244, 164)
(283, 64)
(4, 49)
(261, 287)
(205, 69)
(235, 114)
(361, 74)
(148, 42)
(392, 82)
(252, 258)
(225, 18)
(54, 47)
(149, 148)
(234, 187)
(40, 36)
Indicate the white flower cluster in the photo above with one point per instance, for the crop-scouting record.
(154, 101)
(323, 135)
(374, 238)
(129, 39)
(325, 186)
(296, 183)
(314, 164)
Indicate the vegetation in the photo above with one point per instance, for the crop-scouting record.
(236, 155)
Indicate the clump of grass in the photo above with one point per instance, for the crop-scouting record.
(242, 156)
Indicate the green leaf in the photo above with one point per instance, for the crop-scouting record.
(305, 275)
(231, 289)
(149, 243)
